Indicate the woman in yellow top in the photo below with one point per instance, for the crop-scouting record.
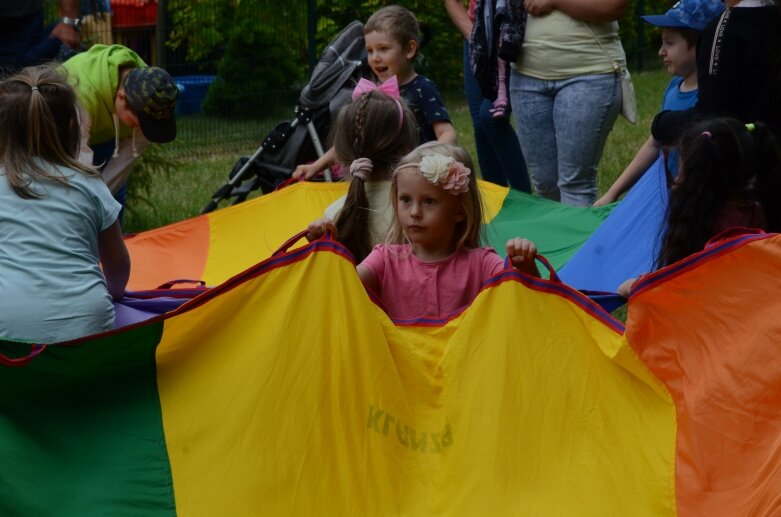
(566, 94)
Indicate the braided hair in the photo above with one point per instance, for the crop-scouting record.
(370, 127)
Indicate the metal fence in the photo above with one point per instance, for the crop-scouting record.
(240, 65)
(260, 84)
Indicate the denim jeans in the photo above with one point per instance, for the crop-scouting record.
(563, 126)
(101, 155)
(498, 150)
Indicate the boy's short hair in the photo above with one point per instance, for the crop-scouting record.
(687, 14)
(397, 21)
(690, 35)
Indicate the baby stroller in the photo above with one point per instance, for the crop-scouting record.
(298, 141)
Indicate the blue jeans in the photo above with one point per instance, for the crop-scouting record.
(498, 150)
(563, 126)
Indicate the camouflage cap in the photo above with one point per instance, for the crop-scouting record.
(688, 14)
(151, 93)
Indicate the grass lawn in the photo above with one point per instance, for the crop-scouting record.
(200, 163)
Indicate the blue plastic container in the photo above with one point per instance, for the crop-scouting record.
(192, 92)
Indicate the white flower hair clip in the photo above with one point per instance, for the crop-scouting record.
(444, 171)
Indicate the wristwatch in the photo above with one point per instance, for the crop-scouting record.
(73, 22)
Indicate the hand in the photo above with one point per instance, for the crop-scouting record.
(626, 286)
(306, 170)
(67, 34)
(521, 253)
(539, 7)
(605, 200)
(317, 229)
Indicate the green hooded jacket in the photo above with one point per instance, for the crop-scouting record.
(95, 75)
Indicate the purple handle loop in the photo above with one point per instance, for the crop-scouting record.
(170, 284)
(297, 237)
(508, 265)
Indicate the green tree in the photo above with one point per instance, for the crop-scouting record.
(262, 46)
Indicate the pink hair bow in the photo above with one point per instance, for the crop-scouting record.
(389, 87)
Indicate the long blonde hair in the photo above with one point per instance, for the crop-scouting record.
(469, 231)
(38, 121)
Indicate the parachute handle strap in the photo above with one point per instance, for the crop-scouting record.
(24, 360)
(297, 237)
(729, 233)
(508, 266)
(172, 283)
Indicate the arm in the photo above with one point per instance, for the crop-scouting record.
(626, 286)
(460, 17)
(595, 11)
(114, 259)
(367, 279)
(118, 168)
(310, 169)
(445, 132)
(66, 33)
(668, 125)
(644, 158)
(521, 253)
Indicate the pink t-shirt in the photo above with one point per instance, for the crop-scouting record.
(410, 288)
(471, 11)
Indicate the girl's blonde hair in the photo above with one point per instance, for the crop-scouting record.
(469, 231)
(382, 129)
(38, 122)
(396, 21)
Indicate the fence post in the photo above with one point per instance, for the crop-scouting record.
(160, 33)
(311, 35)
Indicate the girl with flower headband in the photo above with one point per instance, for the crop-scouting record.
(371, 134)
(730, 176)
(433, 263)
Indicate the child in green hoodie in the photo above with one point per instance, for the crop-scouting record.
(125, 105)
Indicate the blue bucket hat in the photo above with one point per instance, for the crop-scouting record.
(688, 14)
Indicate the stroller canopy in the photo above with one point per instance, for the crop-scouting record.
(340, 59)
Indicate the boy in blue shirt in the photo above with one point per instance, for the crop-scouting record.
(681, 26)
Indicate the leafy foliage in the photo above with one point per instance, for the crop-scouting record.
(263, 45)
(152, 163)
(641, 40)
(202, 26)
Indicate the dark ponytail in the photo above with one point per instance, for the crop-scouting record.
(717, 162)
(352, 225)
